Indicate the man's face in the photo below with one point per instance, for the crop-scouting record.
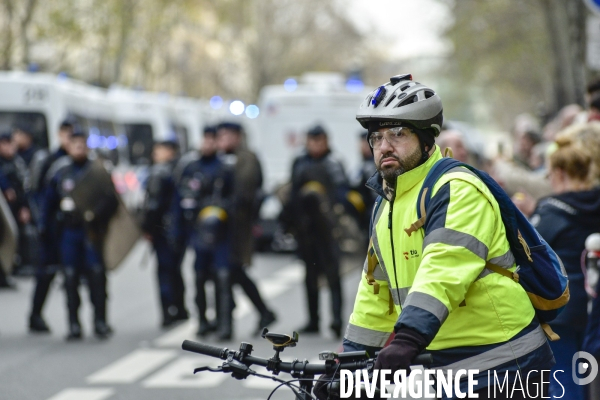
(396, 151)
(317, 146)
(162, 154)
(64, 135)
(78, 149)
(21, 139)
(7, 149)
(454, 140)
(209, 146)
(227, 140)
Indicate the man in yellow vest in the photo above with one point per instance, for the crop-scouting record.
(428, 282)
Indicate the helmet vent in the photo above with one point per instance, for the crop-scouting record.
(429, 94)
(409, 100)
(403, 88)
(387, 103)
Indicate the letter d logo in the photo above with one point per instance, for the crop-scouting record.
(581, 368)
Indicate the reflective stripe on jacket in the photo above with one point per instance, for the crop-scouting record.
(437, 280)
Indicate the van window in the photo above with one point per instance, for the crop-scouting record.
(139, 139)
(180, 134)
(36, 123)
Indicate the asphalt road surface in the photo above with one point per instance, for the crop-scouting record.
(141, 361)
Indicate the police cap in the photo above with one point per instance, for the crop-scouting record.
(5, 136)
(232, 126)
(316, 130)
(171, 144)
(209, 130)
(78, 132)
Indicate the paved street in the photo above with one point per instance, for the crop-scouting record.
(142, 361)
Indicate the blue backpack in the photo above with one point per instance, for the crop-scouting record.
(540, 272)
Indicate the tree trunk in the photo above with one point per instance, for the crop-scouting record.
(25, 22)
(8, 36)
(566, 28)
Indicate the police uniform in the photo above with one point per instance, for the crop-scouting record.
(247, 198)
(157, 216)
(318, 184)
(79, 253)
(49, 257)
(203, 204)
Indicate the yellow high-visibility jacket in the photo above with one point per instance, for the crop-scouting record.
(435, 281)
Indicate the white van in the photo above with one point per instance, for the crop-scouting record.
(288, 111)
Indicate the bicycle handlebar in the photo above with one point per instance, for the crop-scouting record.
(206, 349)
(289, 367)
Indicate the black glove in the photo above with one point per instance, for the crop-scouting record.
(320, 389)
(398, 355)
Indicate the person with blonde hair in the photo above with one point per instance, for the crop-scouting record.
(587, 137)
(565, 219)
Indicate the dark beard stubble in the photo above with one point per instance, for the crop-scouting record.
(391, 174)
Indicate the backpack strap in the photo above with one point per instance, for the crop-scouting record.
(439, 168)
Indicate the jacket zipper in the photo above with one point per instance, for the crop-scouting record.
(392, 244)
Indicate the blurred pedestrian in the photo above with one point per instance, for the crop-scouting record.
(14, 169)
(79, 252)
(524, 146)
(156, 221)
(565, 219)
(247, 198)
(318, 184)
(587, 136)
(454, 140)
(49, 260)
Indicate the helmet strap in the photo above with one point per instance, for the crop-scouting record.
(426, 141)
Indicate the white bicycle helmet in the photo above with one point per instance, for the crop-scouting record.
(402, 100)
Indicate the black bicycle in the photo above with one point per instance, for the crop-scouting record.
(238, 363)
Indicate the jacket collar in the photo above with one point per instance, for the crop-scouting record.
(406, 181)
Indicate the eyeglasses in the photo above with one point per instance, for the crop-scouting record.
(394, 136)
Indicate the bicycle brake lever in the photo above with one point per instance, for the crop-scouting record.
(201, 369)
(238, 370)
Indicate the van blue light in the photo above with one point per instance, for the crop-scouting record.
(216, 102)
(112, 142)
(354, 85)
(290, 85)
(93, 141)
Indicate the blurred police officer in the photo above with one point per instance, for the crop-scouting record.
(366, 170)
(23, 137)
(9, 194)
(79, 252)
(318, 184)
(156, 222)
(49, 257)
(14, 169)
(246, 199)
(204, 199)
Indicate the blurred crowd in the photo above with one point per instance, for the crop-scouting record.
(553, 177)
